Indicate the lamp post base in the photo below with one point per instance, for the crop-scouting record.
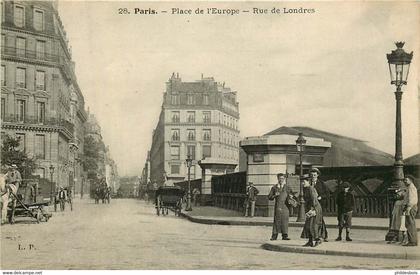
(188, 206)
(301, 211)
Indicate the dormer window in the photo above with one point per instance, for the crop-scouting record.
(38, 20)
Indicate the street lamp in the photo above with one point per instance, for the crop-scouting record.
(300, 146)
(189, 164)
(51, 175)
(399, 65)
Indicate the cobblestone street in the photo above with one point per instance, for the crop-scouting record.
(127, 234)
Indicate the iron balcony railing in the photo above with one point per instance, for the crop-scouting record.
(32, 120)
(40, 56)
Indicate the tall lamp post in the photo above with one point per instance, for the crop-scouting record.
(300, 146)
(189, 164)
(51, 175)
(399, 65)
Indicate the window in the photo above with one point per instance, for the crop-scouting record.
(21, 77)
(40, 172)
(175, 134)
(175, 116)
(19, 16)
(20, 46)
(174, 152)
(191, 151)
(21, 110)
(207, 134)
(39, 20)
(3, 107)
(175, 169)
(40, 112)
(2, 13)
(191, 134)
(174, 99)
(206, 151)
(40, 49)
(192, 172)
(206, 117)
(3, 75)
(3, 42)
(190, 99)
(206, 99)
(40, 146)
(40, 80)
(191, 117)
(21, 138)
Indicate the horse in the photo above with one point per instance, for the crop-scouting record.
(6, 197)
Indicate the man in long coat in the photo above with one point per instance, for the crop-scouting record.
(410, 210)
(322, 191)
(279, 193)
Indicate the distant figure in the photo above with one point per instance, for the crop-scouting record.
(322, 192)
(62, 198)
(313, 219)
(398, 217)
(279, 193)
(196, 193)
(410, 211)
(251, 197)
(345, 205)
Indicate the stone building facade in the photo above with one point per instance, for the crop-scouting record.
(41, 102)
(199, 119)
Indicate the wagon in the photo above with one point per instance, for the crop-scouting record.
(169, 197)
(30, 202)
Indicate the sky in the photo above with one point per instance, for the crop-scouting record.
(326, 70)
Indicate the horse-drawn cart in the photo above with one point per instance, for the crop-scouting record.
(30, 202)
(169, 197)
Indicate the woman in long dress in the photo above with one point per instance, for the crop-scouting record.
(312, 229)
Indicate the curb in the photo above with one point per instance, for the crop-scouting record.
(257, 223)
(292, 249)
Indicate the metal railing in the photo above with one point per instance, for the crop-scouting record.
(32, 120)
(40, 56)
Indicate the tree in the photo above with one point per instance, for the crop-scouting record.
(10, 154)
(91, 157)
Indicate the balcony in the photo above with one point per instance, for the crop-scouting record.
(40, 56)
(23, 53)
(32, 121)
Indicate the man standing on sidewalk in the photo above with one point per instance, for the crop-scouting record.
(410, 211)
(279, 193)
(251, 197)
(345, 205)
(320, 188)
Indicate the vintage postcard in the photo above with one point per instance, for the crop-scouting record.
(210, 135)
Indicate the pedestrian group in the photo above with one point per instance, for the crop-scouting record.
(314, 194)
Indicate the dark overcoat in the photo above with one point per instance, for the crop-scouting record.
(281, 211)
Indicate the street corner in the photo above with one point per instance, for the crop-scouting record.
(373, 249)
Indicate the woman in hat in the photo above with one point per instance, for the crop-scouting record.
(313, 222)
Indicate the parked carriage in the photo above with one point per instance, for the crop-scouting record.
(31, 198)
(169, 197)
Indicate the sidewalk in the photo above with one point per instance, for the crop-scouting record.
(215, 215)
(371, 245)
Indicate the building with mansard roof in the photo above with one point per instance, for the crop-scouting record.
(41, 101)
(199, 119)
